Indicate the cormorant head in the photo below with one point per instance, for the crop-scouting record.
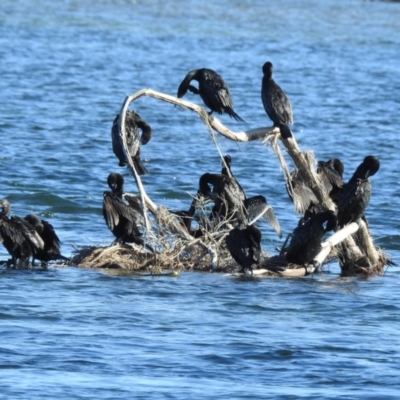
(5, 207)
(204, 187)
(337, 165)
(146, 131)
(331, 219)
(115, 182)
(370, 166)
(32, 219)
(228, 160)
(267, 69)
(183, 87)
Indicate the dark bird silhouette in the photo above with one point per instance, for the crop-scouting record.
(18, 236)
(212, 89)
(356, 193)
(255, 206)
(228, 197)
(245, 246)
(119, 216)
(51, 248)
(276, 103)
(305, 241)
(133, 122)
(331, 173)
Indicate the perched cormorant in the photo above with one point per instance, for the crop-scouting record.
(212, 89)
(256, 206)
(18, 236)
(132, 123)
(245, 246)
(119, 216)
(51, 249)
(275, 102)
(305, 241)
(356, 193)
(331, 173)
(228, 197)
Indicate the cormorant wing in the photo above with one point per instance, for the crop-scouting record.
(257, 207)
(135, 204)
(29, 232)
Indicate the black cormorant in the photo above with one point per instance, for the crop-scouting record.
(305, 241)
(119, 216)
(212, 89)
(331, 173)
(245, 246)
(276, 103)
(51, 249)
(132, 123)
(228, 197)
(18, 236)
(256, 206)
(356, 193)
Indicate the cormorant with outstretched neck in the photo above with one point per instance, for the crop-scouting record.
(356, 193)
(119, 216)
(212, 89)
(276, 103)
(255, 206)
(51, 249)
(305, 241)
(245, 246)
(133, 122)
(18, 236)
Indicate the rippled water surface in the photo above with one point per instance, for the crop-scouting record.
(66, 67)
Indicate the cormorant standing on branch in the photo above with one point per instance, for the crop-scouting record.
(119, 216)
(51, 249)
(18, 236)
(132, 123)
(276, 103)
(212, 89)
(245, 246)
(356, 193)
(305, 241)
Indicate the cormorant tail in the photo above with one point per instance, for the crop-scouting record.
(233, 115)
(286, 133)
(140, 168)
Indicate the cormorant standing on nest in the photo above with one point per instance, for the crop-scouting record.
(51, 249)
(132, 123)
(256, 205)
(245, 246)
(356, 193)
(18, 236)
(119, 216)
(212, 89)
(305, 241)
(228, 197)
(276, 103)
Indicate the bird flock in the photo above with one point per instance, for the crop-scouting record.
(31, 238)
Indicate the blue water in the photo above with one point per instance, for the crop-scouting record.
(66, 67)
